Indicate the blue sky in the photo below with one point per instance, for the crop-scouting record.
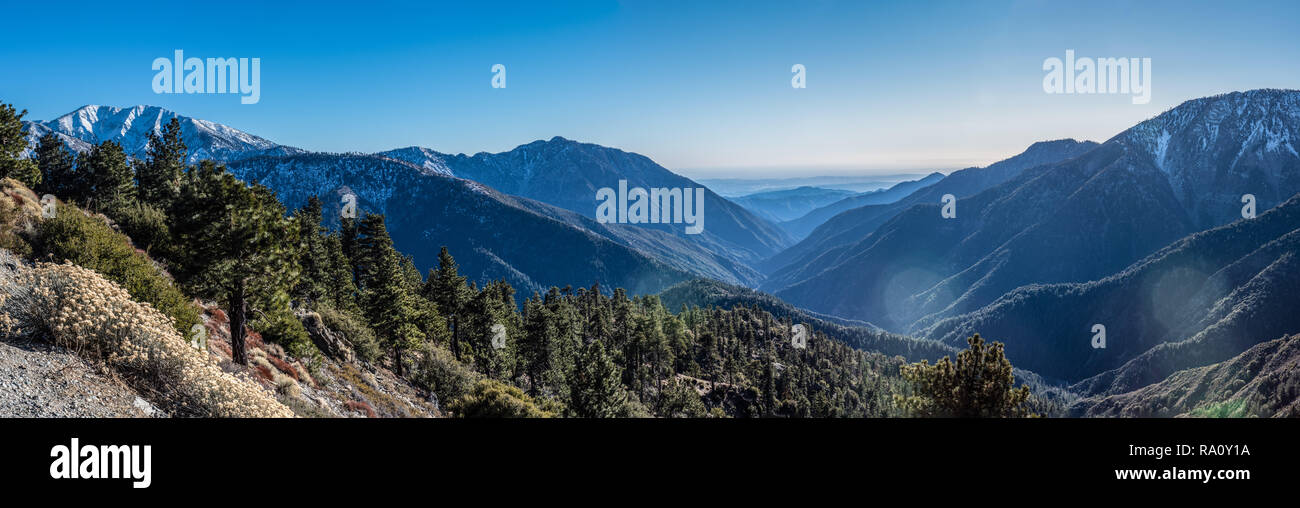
(701, 87)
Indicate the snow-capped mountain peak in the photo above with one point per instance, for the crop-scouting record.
(93, 124)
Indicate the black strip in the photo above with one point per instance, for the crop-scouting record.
(422, 456)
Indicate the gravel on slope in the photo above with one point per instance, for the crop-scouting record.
(40, 380)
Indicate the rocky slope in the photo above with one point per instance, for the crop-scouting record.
(336, 385)
(43, 306)
(40, 380)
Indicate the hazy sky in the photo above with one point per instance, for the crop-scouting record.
(701, 87)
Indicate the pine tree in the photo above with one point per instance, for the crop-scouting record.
(679, 400)
(646, 346)
(552, 357)
(111, 183)
(597, 316)
(540, 337)
(394, 312)
(769, 385)
(13, 141)
(159, 174)
(240, 249)
(447, 289)
(56, 164)
(979, 384)
(340, 286)
(315, 262)
(430, 322)
(388, 298)
(595, 391)
(348, 243)
(492, 306)
(372, 243)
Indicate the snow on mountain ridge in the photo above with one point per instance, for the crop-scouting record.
(92, 124)
(1213, 150)
(1162, 147)
(1207, 116)
(429, 161)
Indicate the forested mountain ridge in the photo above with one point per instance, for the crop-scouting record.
(1260, 382)
(497, 234)
(567, 174)
(1199, 300)
(861, 335)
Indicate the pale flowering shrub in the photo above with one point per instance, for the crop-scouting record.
(85, 312)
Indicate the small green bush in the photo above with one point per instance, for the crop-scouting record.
(442, 374)
(679, 400)
(9, 237)
(88, 242)
(145, 224)
(359, 336)
(281, 327)
(494, 399)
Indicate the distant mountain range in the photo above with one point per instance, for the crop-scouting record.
(800, 227)
(788, 204)
(743, 186)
